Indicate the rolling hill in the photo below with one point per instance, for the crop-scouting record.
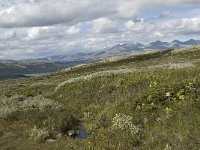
(147, 100)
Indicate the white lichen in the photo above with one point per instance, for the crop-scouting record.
(172, 66)
(39, 135)
(97, 75)
(167, 147)
(75, 67)
(123, 122)
(21, 103)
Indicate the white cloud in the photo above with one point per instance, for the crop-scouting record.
(139, 26)
(33, 33)
(183, 25)
(128, 8)
(50, 12)
(158, 34)
(73, 30)
(104, 25)
(9, 35)
(30, 51)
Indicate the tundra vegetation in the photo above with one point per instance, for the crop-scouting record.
(143, 101)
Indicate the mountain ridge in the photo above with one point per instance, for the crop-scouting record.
(16, 68)
(118, 49)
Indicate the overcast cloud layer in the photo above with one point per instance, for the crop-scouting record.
(37, 28)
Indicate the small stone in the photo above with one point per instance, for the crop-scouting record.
(158, 119)
(71, 132)
(51, 140)
(168, 94)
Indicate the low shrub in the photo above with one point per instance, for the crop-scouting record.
(22, 103)
(39, 135)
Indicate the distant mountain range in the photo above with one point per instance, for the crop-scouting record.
(18, 68)
(123, 49)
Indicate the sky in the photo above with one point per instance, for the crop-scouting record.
(38, 28)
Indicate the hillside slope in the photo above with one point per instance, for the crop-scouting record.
(149, 100)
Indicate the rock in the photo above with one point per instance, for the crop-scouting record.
(71, 132)
(59, 135)
(79, 133)
(51, 140)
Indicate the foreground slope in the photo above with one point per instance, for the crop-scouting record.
(148, 100)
